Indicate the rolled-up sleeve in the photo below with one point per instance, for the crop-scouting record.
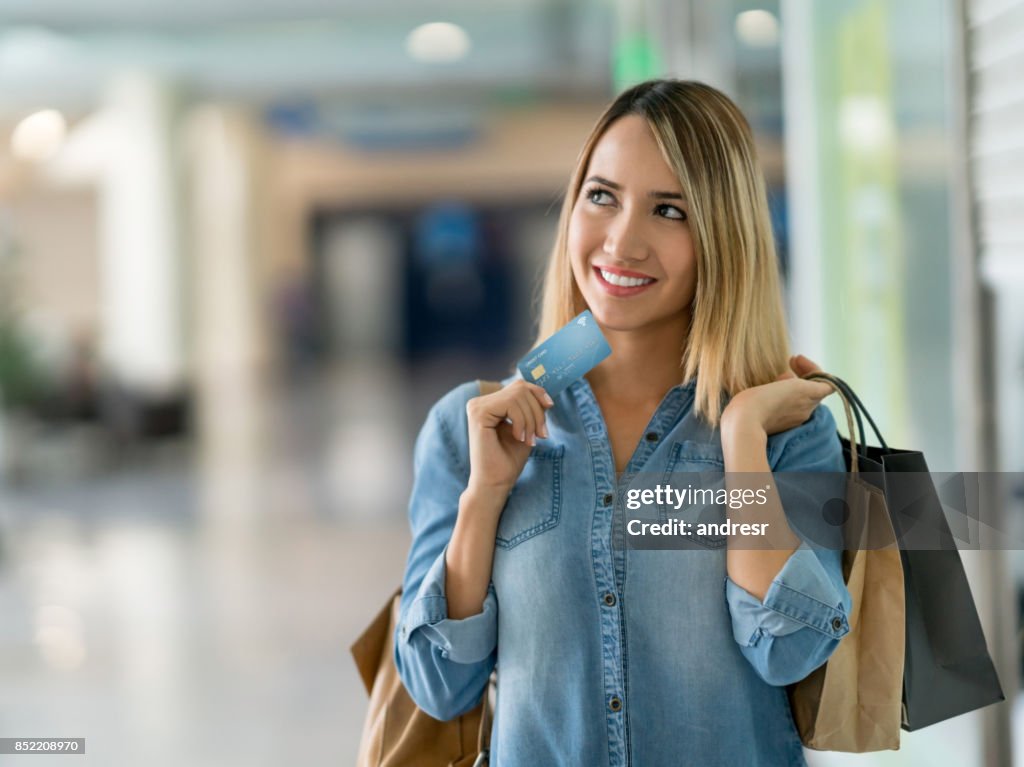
(805, 611)
(443, 663)
(801, 620)
(469, 640)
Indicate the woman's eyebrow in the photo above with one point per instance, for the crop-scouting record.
(652, 195)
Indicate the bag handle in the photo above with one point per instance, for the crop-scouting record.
(858, 409)
(483, 740)
(850, 410)
(846, 394)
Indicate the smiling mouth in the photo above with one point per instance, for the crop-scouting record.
(622, 284)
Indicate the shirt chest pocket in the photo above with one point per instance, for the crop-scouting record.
(698, 469)
(535, 503)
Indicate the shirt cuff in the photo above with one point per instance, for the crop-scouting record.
(803, 594)
(466, 640)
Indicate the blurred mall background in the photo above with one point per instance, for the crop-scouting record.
(245, 245)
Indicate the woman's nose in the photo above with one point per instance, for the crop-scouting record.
(624, 239)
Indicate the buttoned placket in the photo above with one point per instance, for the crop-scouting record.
(609, 553)
(604, 574)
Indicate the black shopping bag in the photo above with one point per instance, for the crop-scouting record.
(947, 669)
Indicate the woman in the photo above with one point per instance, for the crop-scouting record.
(605, 655)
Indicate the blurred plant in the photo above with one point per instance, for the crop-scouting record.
(19, 374)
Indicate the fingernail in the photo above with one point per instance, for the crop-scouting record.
(544, 431)
(533, 440)
(547, 398)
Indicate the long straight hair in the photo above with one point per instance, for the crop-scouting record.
(737, 336)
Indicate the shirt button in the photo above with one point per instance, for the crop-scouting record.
(837, 623)
(615, 704)
(651, 436)
(609, 599)
(608, 498)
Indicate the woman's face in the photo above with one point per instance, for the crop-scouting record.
(629, 240)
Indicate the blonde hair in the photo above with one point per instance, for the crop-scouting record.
(737, 336)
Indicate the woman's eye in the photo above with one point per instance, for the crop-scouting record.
(599, 196)
(671, 211)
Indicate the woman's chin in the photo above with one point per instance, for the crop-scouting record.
(626, 319)
(616, 320)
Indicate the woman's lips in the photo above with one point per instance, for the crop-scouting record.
(620, 291)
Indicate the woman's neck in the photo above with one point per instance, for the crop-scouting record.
(642, 367)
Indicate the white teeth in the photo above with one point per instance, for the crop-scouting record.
(625, 282)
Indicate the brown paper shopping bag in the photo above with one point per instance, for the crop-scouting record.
(853, 702)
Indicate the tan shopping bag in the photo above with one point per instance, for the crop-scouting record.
(396, 733)
(853, 702)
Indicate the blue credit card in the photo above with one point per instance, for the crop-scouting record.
(570, 353)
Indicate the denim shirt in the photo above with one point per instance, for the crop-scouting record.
(605, 656)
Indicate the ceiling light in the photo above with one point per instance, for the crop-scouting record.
(758, 29)
(437, 42)
(39, 136)
(865, 123)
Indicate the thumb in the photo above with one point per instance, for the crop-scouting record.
(819, 389)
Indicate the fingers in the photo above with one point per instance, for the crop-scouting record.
(541, 395)
(538, 415)
(539, 401)
(802, 366)
(523, 423)
(818, 389)
(525, 405)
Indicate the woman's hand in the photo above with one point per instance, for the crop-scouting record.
(783, 404)
(503, 426)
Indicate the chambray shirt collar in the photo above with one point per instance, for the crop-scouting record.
(674, 405)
